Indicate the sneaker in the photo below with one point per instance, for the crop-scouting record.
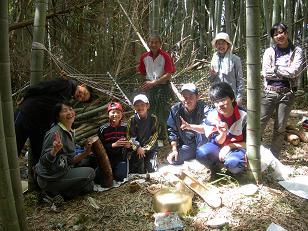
(56, 200)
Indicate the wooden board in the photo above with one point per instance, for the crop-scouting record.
(209, 193)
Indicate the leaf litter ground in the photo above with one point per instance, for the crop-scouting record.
(120, 209)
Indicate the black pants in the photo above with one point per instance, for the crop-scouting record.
(24, 129)
(145, 164)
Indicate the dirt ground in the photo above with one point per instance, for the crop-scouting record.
(120, 209)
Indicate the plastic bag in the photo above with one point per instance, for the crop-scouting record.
(167, 221)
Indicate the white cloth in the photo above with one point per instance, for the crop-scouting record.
(222, 65)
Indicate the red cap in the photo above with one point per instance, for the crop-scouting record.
(115, 105)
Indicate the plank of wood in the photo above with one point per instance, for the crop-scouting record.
(209, 193)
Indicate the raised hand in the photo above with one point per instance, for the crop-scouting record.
(222, 127)
(57, 144)
(184, 124)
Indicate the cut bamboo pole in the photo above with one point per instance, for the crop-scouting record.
(104, 163)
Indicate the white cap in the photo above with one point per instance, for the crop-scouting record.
(221, 36)
(141, 97)
(189, 87)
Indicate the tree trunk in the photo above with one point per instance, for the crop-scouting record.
(37, 54)
(253, 87)
(11, 199)
(276, 11)
(288, 12)
(268, 22)
(37, 60)
(228, 18)
(154, 19)
(218, 12)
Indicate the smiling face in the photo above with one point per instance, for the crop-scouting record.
(190, 100)
(154, 44)
(280, 37)
(221, 46)
(225, 106)
(141, 108)
(66, 115)
(115, 116)
(82, 94)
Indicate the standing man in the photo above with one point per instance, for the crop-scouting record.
(157, 67)
(281, 66)
(33, 117)
(185, 125)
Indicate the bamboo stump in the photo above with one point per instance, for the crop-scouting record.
(104, 163)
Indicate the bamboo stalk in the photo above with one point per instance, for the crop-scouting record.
(92, 112)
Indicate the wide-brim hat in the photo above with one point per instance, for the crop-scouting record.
(221, 36)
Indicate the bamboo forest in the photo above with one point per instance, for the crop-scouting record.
(154, 115)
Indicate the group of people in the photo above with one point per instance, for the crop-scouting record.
(195, 130)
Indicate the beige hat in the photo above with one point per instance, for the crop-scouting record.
(223, 36)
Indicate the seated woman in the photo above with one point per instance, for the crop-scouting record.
(55, 170)
(225, 128)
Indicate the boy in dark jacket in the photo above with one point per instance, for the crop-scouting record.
(142, 134)
(113, 137)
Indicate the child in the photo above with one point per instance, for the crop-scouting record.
(113, 137)
(142, 134)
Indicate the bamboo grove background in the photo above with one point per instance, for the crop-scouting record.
(95, 36)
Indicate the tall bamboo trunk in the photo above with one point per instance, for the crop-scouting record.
(37, 61)
(11, 199)
(253, 87)
(37, 54)
(218, 13)
(268, 21)
(276, 11)
(228, 18)
(154, 19)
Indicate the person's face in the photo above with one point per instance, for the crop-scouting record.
(280, 37)
(221, 46)
(224, 106)
(82, 94)
(141, 108)
(154, 44)
(115, 116)
(190, 100)
(67, 115)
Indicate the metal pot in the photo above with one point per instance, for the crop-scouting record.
(172, 200)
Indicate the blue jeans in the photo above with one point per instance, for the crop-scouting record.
(235, 161)
(188, 152)
(281, 104)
